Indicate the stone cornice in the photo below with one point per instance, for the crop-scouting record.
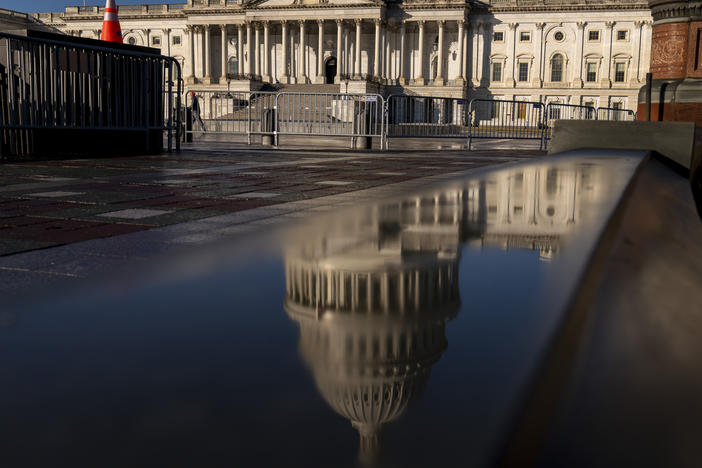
(675, 11)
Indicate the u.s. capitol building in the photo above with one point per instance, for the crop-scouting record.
(592, 52)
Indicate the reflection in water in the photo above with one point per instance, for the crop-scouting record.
(372, 296)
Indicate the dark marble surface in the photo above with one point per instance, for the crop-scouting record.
(397, 334)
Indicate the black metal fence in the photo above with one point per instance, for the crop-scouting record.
(51, 88)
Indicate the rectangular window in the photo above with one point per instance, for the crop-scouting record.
(619, 72)
(521, 110)
(523, 71)
(622, 35)
(176, 40)
(498, 36)
(156, 40)
(524, 36)
(593, 36)
(497, 71)
(591, 72)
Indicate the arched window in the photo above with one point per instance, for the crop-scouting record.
(557, 68)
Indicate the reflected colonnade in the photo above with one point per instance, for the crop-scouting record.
(372, 295)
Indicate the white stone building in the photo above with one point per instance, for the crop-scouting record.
(569, 51)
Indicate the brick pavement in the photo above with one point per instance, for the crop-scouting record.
(50, 203)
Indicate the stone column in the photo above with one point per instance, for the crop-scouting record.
(147, 36)
(240, 49)
(339, 59)
(257, 69)
(320, 51)
(537, 74)
(266, 72)
(475, 29)
(420, 75)
(376, 51)
(388, 53)
(634, 78)
(357, 62)
(247, 68)
(284, 77)
(511, 56)
(460, 78)
(439, 81)
(223, 29)
(208, 60)
(167, 37)
(302, 72)
(605, 79)
(191, 40)
(580, 44)
(464, 70)
(403, 41)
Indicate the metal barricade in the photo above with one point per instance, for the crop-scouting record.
(558, 111)
(217, 111)
(495, 119)
(329, 114)
(610, 113)
(262, 113)
(426, 117)
(55, 85)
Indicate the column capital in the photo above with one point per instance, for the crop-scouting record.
(513, 26)
(461, 22)
(339, 21)
(97, 31)
(320, 22)
(581, 24)
(639, 24)
(441, 22)
(420, 23)
(166, 30)
(205, 27)
(610, 24)
(378, 21)
(147, 31)
(540, 26)
(357, 21)
(223, 27)
(301, 22)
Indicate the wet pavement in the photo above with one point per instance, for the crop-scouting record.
(209, 191)
(398, 333)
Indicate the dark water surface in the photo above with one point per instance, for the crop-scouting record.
(398, 334)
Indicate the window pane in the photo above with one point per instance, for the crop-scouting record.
(498, 36)
(523, 72)
(591, 72)
(557, 68)
(594, 36)
(525, 36)
(620, 72)
(496, 72)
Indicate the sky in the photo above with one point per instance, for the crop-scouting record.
(41, 6)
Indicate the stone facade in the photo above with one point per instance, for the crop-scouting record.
(567, 51)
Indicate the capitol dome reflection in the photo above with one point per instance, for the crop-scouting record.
(372, 294)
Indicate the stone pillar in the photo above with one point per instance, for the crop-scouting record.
(403, 41)
(302, 72)
(240, 49)
(247, 68)
(474, 79)
(388, 54)
(339, 58)
(439, 81)
(460, 78)
(606, 79)
(464, 70)
(147, 36)
(357, 62)
(167, 38)
(284, 77)
(266, 72)
(207, 79)
(257, 69)
(191, 59)
(320, 51)
(579, 47)
(223, 29)
(634, 76)
(509, 71)
(537, 74)
(376, 51)
(420, 76)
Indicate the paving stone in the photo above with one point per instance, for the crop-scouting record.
(133, 213)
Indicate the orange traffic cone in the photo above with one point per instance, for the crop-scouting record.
(110, 24)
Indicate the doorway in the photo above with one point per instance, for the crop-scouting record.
(330, 70)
